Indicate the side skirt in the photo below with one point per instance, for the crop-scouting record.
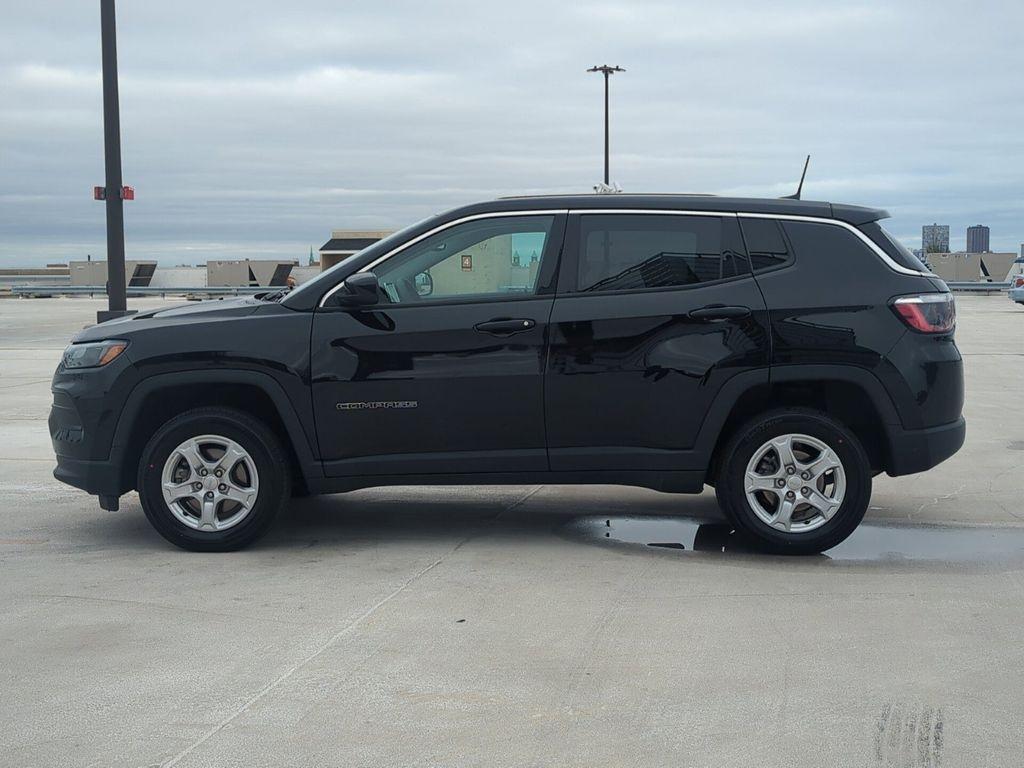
(668, 482)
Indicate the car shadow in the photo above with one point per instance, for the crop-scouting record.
(644, 522)
(453, 514)
(420, 514)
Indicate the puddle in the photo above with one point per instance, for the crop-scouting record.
(868, 543)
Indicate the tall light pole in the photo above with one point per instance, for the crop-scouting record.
(607, 71)
(113, 193)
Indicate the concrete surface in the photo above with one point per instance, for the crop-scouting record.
(495, 627)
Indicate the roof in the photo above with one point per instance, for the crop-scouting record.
(348, 244)
(852, 214)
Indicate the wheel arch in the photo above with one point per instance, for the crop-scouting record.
(851, 395)
(159, 398)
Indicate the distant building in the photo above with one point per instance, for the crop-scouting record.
(137, 274)
(972, 267)
(253, 273)
(345, 242)
(977, 239)
(935, 238)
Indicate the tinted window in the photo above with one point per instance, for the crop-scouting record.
(486, 257)
(636, 251)
(830, 245)
(766, 247)
(896, 250)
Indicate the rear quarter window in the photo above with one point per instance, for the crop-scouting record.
(829, 249)
(893, 247)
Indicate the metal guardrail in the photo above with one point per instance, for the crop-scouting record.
(93, 290)
(978, 287)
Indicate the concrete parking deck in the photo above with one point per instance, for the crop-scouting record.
(502, 627)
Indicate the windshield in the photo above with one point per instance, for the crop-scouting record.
(325, 278)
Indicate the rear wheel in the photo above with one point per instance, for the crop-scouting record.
(213, 479)
(795, 481)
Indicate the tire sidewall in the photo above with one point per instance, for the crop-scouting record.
(731, 486)
(260, 445)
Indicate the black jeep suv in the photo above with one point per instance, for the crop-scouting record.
(781, 351)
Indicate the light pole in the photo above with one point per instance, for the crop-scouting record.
(606, 71)
(113, 192)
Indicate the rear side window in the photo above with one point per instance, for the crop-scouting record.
(766, 245)
(636, 251)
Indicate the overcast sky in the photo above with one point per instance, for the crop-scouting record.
(254, 128)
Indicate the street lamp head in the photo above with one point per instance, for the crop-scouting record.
(606, 70)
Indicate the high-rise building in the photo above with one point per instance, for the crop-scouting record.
(977, 239)
(935, 238)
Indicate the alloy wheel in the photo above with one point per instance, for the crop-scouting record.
(795, 483)
(210, 483)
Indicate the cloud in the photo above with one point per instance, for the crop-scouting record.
(260, 126)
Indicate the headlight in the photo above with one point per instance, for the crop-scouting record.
(94, 354)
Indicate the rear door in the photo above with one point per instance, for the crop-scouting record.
(445, 374)
(655, 313)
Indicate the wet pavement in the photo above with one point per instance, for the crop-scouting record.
(939, 545)
(515, 626)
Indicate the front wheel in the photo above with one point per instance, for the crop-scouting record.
(213, 479)
(795, 481)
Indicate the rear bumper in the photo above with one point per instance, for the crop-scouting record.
(916, 450)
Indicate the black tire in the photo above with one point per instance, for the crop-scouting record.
(255, 438)
(730, 486)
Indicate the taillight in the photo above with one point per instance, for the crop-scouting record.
(927, 312)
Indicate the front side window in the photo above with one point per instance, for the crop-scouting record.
(636, 251)
(484, 258)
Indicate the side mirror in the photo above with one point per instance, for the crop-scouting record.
(359, 290)
(424, 284)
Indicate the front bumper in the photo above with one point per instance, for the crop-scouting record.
(83, 417)
(916, 450)
(100, 478)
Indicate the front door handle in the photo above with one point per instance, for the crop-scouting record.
(505, 326)
(719, 312)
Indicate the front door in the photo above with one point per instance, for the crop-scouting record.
(655, 313)
(445, 374)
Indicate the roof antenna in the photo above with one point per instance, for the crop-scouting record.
(800, 188)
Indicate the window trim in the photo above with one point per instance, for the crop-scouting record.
(886, 259)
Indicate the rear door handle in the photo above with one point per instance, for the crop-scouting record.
(719, 312)
(503, 326)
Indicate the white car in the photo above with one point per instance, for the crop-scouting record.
(1017, 289)
(1016, 279)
